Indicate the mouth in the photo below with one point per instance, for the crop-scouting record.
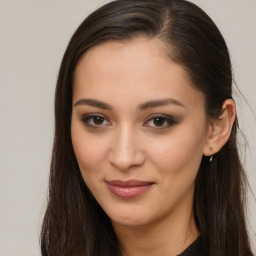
(128, 189)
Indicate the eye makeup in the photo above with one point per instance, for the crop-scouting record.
(95, 120)
(160, 121)
(155, 121)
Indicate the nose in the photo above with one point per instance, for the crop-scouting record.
(124, 150)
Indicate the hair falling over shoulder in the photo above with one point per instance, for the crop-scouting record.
(74, 223)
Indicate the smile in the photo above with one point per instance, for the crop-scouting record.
(128, 189)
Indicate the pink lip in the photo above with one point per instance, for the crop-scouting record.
(128, 189)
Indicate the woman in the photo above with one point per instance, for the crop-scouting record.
(145, 160)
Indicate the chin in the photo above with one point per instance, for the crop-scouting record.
(129, 221)
(130, 216)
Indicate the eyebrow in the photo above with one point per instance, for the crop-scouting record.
(143, 106)
(159, 103)
(93, 103)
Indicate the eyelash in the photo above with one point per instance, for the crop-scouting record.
(168, 121)
(87, 118)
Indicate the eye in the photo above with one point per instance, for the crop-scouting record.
(94, 120)
(160, 121)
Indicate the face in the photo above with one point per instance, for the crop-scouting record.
(138, 131)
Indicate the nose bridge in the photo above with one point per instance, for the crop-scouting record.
(124, 149)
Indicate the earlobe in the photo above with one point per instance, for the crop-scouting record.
(220, 128)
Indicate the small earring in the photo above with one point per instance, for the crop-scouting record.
(212, 150)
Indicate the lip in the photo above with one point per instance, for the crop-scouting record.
(128, 189)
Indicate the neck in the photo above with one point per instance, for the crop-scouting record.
(165, 237)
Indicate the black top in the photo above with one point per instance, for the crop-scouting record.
(195, 249)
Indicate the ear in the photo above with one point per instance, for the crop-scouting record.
(220, 128)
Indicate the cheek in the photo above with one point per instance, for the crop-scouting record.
(90, 151)
(177, 159)
(180, 152)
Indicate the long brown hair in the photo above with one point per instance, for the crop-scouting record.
(74, 223)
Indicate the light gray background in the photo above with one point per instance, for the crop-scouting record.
(33, 37)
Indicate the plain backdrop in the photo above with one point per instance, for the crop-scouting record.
(33, 37)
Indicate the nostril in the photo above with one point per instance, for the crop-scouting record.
(125, 161)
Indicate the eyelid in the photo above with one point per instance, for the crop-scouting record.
(169, 119)
(86, 118)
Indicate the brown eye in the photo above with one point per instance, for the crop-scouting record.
(94, 120)
(98, 120)
(159, 121)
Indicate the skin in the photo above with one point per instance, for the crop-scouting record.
(126, 143)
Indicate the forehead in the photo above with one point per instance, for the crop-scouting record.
(136, 70)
